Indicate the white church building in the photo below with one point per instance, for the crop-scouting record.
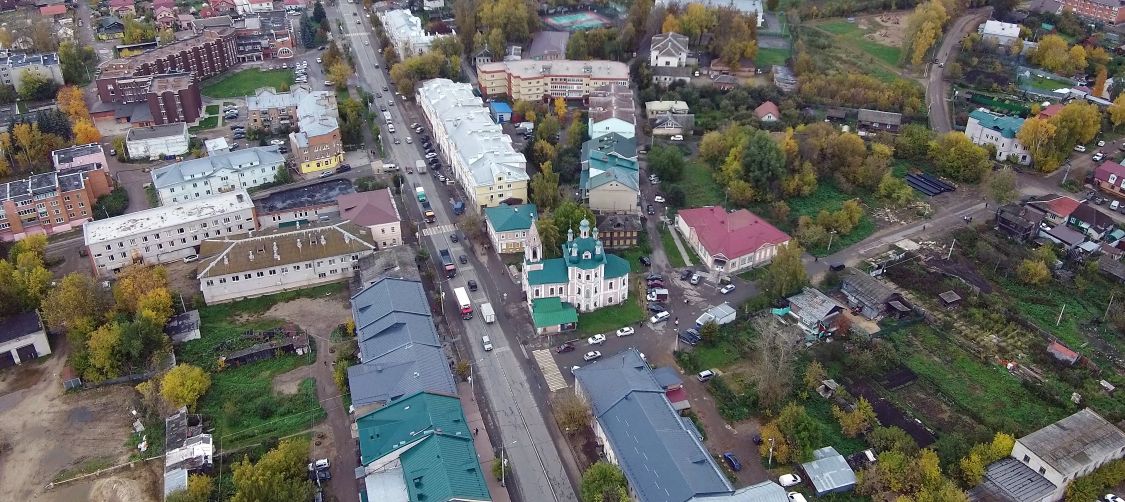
(586, 277)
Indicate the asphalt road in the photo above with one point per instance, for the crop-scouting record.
(516, 395)
(937, 88)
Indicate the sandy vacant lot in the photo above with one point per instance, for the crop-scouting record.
(890, 27)
(45, 431)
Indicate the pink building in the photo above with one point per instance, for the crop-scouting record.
(80, 155)
(729, 242)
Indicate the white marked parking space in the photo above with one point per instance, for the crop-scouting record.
(439, 229)
(550, 370)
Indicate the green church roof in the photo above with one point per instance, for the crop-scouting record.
(550, 312)
(506, 218)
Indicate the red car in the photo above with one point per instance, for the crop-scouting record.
(566, 347)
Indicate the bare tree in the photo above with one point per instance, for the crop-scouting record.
(571, 413)
(774, 352)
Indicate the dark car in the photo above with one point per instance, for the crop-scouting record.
(385, 88)
(650, 210)
(472, 285)
(655, 285)
(343, 168)
(645, 261)
(686, 273)
(732, 461)
(655, 307)
(836, 267)
(688, 338)
(654, 277)
(463, 259)
(453, 237)
(566, 347)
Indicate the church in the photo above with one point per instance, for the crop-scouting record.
(585, 277)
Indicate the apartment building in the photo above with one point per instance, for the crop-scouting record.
(154, 142)
(316, 145)
(531, 80)
(167, 233)
(73, 157)
(987, 128)
(271, 110)
(1106, 11)
(276, 260)
(508, 226)
(152, 100)
(406, 33)
(217, 173)
(15, 67)
(481, 156)
(612, 111)
(53, 202)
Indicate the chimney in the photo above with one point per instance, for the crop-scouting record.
(251, 254)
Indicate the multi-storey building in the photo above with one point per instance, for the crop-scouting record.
(406, 33)
(481, 156)
(585, 276)
(152, 100)
(532, 80)
(302, 205)
(272, 110)
(612, 111)
(167, 233)
(508, 226)
(154, 142)
(15, 67)
(51, 202)
(275, 260)
(316, 144)
(987, 128)
(1106, 11)
(219, 173)
(77, 156)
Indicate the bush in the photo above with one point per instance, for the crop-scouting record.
(732, 406)
(111, 204)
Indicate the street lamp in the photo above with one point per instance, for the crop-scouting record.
(830, 236)
(504, 464)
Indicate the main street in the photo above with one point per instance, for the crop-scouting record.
(515, 394)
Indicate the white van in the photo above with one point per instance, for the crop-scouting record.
(660, 317)
(705, 375)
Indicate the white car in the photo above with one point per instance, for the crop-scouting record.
(431, 155)
(677, 137)
(319, 465)
(1101, 143)
(788, 480)
(276, 142)
(318, 60)
(659, 317)
(487, 343)
(1109, 497)
(190, 258)
(726, 289)
(597, 339)
(1079, 148)
(659, 199)
(796, 497)
(591, 355)
(626, 331)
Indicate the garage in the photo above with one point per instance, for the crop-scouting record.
(7, 360)
(26, 353)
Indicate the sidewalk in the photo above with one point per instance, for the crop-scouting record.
(482, 442)
(679, 245)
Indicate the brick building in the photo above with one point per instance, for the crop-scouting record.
(1106, 11)
(51, 202)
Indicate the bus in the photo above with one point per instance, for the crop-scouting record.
(463, 302)
(387, 115)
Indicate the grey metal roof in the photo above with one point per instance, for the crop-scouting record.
(663, 460)
(611, 144)
(548, 42)
(386, 296)
(157, 131)
(204, 167)
(867, 289)
(879, 117)
(811, 304)
(318, 194)
(766, 491)
(1009, 479)
(403, 372)
(393, 331)
(1075, 442)
(829, 472)
(667, 377)
(18, 325)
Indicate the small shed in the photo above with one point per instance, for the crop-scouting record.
(829, 472)
(877, 120)
(183, 327)
(1111, 267)
(501, 111)
(950, 299)
(1062, 353)
(290, 343)
(867, 294)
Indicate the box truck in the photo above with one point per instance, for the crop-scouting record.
(487, 313)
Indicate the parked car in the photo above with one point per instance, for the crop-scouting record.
(655, 307)
(1079, 148)
(705, 375)
(626, 331)
(319, 465)
(343, 168)
(564, 348)
(732, 461)
(688, 338)
(686, 274)
(677, 137)
(1101, 143)
(694, 280)
(658, 199)
(190, 258)
(654, 277)
(597, 339)
(645, 261)
(276, 142)
(796, 497)
(649, 210)
(487, 343)
(591, 355)
(1109, 497)
(660, 317)
(1114, 205)
(788, 480)
(326, 174)
(726, 289)
(1098, 156)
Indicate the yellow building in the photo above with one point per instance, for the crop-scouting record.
(530, 80)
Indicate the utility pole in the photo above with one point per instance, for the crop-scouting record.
(770, 465)
(1108, 306)
(830, 236)
(1063, 309)
(950, 253)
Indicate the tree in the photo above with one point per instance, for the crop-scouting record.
(857, 421)
(1099, 81)
(137, 31)
(339, 73)
(569, 215)
(549, 235)
(801, 431)
(604, 482)
(76, 297)
(671, 24)
(959, 158)
(72, 103)
(709, 332)
(572, 414)
(786, 273)
(814, 374)
(318, 13)
(1001, 185)
(924, 28)
(1077, 123)
(891, 439)
(667, 162)
(134, 283)
(85, 132)
(156, 305)
(576, 48)
(545, 188)
(895, 191)
(1038, 136)
(280, 474)
(1033, 272)
(36, 87)
(199, 488)
(183, 385)
(560, 108)
(774, 443)
(103, 346)
(1052, 53)
(1117, 111)
(1001, 8)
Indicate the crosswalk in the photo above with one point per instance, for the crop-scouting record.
(437, 229)
(550, 370)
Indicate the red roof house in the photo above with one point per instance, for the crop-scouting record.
(1056, 207)
(1062, 352)
(1110, 177)
(375, 210)
(121, 7)
(55, 10)
(729, 242)
(1050, 111)
(768, 112)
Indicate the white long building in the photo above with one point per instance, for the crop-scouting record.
(219, 173)
(167, 233)
(406, 33)
(480, 155)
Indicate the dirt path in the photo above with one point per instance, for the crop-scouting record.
(288, 383)
(46, 431)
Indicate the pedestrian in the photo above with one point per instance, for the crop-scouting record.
(325, 364)
(475, 431)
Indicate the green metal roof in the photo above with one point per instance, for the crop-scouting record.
(553, 272)
(444, 468)
(1003, 124)
(507, 218)
(401, 422)
(616, 266)
(548, 312)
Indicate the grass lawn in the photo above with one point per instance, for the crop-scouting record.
(212, 109)
(1045, 83)
(821, 410)
(205, 123)
(853, 35)
(699, 186)
(717, 356)
(608, 319)
(982, 390)
(675, 258)
(245, 82)
(770, 57)
(826, 197)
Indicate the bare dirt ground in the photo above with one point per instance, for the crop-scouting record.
(46, 431)
(287, 383)
(891, 27)
(181, 278)
(317, 316)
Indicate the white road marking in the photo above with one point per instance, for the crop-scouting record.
(550, 370)
(440, 229)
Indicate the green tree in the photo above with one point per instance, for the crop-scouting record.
(550, 236)
(1077, 123)
(814, 374)
(1033, 272)
(1117, 111)
(959, 158)
(786, 273)
(709, 333)
(857, 421)
(183, 385)
(318, 13)
(138, 31)
(280, 474)
(199, 488)
(763, 162)
(895, 191)
(667, 162)
(891, 439)
(604, 482)
(572, 414)
(569, 215)
(1038, 136)
(545, 188)
(1001, 185)
(801, 431)
(36, 87)
(576, 48)
(78, 63)
(103, 347)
